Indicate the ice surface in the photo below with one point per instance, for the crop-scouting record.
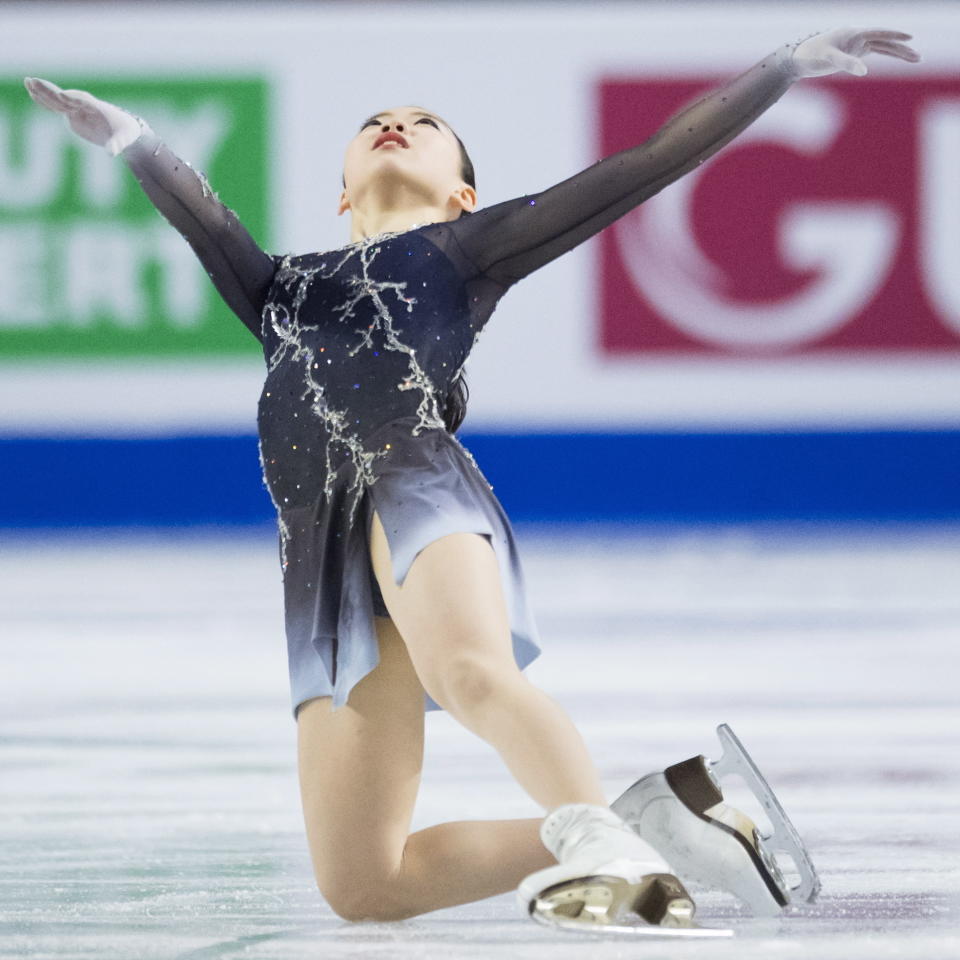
(148, 793)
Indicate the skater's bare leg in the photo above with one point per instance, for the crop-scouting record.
(469, 860)
(452, 616)
(359, 774)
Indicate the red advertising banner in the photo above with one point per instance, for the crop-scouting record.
(830, 224)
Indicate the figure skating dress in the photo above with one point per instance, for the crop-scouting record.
(362, 345)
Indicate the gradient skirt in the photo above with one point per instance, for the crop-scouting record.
(427, 487)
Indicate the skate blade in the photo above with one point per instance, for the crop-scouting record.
(784, 837)
(633, 930)
(659, 901)
(597, 905)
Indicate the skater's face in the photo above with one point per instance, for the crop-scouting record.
(409, 154)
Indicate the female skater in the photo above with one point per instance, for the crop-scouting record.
(402, 585)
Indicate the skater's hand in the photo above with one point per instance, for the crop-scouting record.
(95, 120)
(843, 49)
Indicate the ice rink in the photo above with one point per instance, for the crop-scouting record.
(149, 804)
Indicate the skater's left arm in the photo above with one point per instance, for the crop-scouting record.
(509, 240)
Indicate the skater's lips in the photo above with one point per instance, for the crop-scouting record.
(385, 137)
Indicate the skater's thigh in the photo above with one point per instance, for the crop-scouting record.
(451, 611)
(360, 770)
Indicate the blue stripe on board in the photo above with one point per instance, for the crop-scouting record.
(682, 477)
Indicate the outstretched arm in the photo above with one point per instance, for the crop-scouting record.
(239, 269)
(509, 240)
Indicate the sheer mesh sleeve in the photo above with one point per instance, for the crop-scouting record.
(508, 240)
(239, 269)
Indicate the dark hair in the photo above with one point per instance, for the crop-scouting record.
(455, 408)
(466, 165)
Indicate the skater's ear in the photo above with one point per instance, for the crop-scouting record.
(464, 198)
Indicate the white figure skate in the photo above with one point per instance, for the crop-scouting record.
(681, 813)
(606, 875)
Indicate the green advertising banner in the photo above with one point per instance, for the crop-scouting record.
(88, 267)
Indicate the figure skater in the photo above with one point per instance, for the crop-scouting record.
(402, 586)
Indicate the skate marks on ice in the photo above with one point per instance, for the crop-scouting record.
(150, 809)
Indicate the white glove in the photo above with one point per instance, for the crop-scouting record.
(95, 120)
(841, 49)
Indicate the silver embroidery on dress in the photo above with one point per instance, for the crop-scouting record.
(281, 523)
(428, 411)
(289, 327)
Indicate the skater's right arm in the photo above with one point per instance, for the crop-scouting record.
(239, 269)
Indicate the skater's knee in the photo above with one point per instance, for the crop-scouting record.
(357, 907)
(467, 685)
(360, 899)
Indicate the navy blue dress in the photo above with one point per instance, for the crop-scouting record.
(362, 345)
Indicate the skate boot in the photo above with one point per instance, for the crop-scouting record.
(606, 874)
(681, 813)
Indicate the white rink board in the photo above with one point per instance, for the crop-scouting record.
(516, 83)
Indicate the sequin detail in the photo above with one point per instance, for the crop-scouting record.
(295, 337)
